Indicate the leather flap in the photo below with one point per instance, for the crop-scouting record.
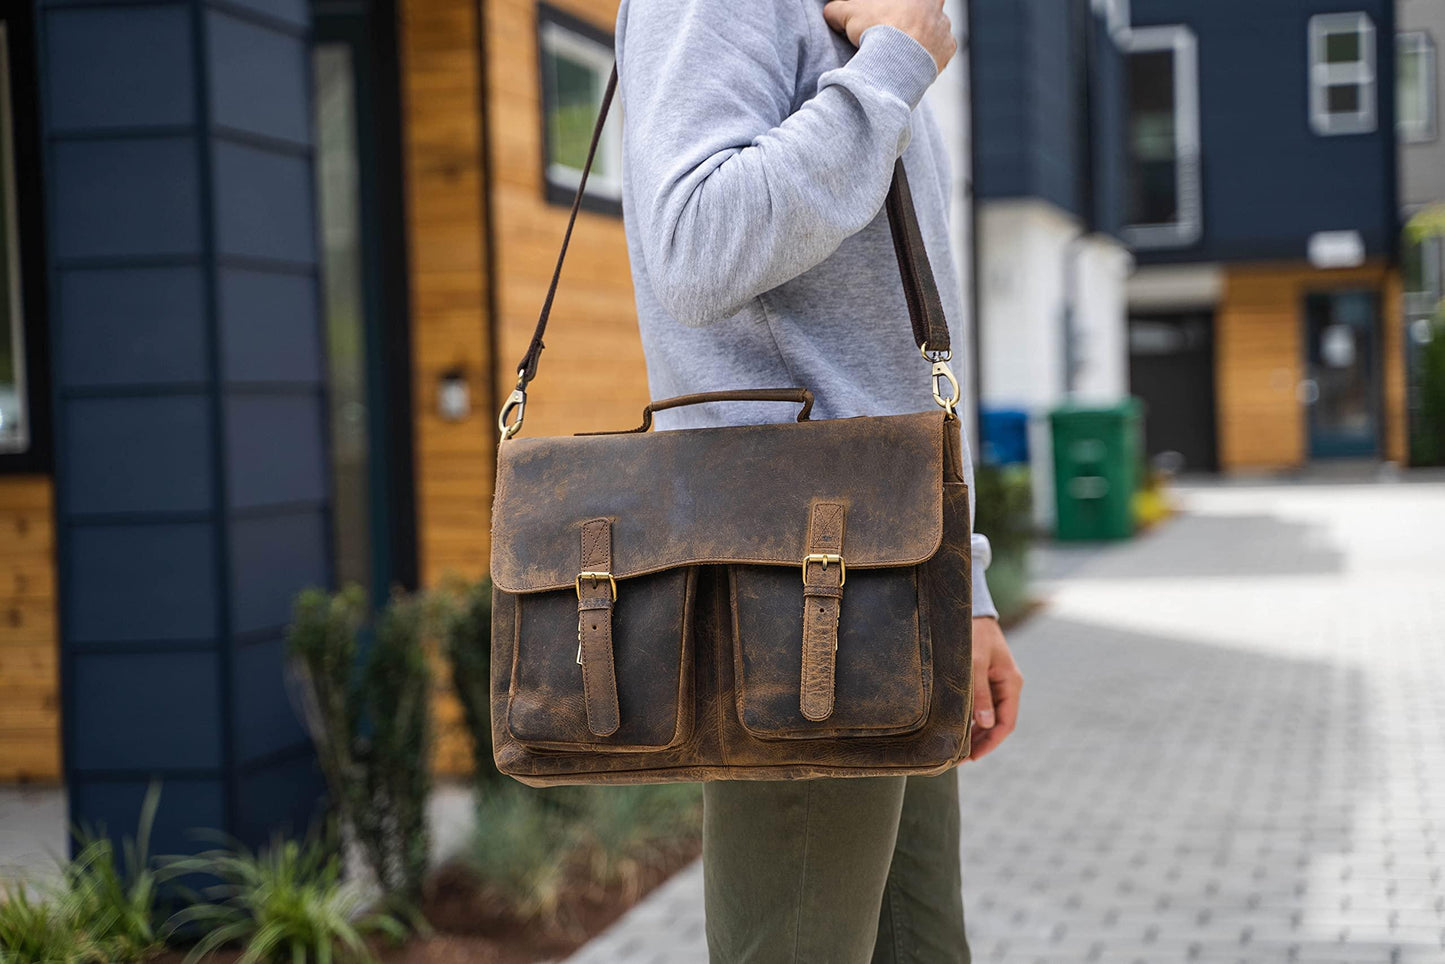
(717, 495)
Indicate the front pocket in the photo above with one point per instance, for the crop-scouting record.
(883, 675)
(652, 652)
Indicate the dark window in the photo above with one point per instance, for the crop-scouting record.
(576, 59)
(1415, 87)
(1163, 203)
(1342, 73)
(14, 397)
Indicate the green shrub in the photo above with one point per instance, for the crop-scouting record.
(521, 850)
(44, 931)
(371, 722)
(1427, 443)
(532, 848)
(1004, 513)
(629, 830)
(468, 651)
(287, 902)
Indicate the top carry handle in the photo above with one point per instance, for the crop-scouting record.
(925, 308)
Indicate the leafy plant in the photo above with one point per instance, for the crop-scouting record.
(397, 779)
(370, 718)
(468, 650)
(521, 850)
(286, 902)
(629, 830)
(1428, 436)
(1004, 513)
(115, 902)
(44, 931)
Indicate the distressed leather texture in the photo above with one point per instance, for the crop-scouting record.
(715, 666)
(717, 495)
(594, 629)
(823, 580)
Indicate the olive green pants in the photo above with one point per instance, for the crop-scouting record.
(834, 871)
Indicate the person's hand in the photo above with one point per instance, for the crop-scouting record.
(996, 685)
(923, 20)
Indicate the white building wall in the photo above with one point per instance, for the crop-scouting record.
(1035, 264)
(1102, 373)
(948, 98)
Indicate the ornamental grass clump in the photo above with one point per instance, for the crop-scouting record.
(285, 902)
(116, 901)
(43, 930)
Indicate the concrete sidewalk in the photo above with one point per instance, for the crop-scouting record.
(1232, 750)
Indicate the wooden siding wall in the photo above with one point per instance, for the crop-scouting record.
(447, 275)
(1260, 361)
(29, 651)
(592, 374)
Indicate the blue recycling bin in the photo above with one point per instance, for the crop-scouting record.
(1005, 436)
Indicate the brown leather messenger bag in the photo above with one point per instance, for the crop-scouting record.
(775, 601)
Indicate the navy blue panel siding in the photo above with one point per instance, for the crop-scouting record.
(191, 451)
(149, 49)
(132, 327)
(294, 12)
(271, 556)
(1028, 54)
(1108, 130)
(264, 204)
(186, 804)
(257, 69)
(266, 722)
(153, 451)
(1268, 180)
(279, 466)
(141, 583)
(283, 795)
(269, 327)
(126, 198)
(122, 724)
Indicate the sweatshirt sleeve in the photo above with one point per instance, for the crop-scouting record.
(737, 189)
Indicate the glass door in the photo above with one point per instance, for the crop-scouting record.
(364, 313)
(1341, 387)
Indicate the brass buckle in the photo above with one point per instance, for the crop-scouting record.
(595, 576)
(824, 558)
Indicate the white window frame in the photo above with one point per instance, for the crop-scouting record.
(1116, 17)
(1359, 73)
(1424, 46)
(1179, 39)
(17, 438)
(558, 39)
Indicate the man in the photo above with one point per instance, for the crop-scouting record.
(758, 145)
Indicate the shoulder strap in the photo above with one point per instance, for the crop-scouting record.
(925, 308)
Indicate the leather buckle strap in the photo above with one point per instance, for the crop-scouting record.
(822, 605)
(596, 597)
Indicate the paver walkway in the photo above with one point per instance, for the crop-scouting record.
(1233, 748)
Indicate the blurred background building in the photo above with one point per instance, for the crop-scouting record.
(267, 265)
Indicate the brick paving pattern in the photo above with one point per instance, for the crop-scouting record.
(1233, 748)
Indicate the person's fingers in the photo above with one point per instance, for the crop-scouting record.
(835, 13)
(1006, 685)
(1005, 690)
(983, 709)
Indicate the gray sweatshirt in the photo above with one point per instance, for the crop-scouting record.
(758, 147)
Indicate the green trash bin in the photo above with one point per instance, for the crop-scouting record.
(1096, 469)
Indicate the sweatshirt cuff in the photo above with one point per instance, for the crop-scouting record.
(894, 62)
(982, 599)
